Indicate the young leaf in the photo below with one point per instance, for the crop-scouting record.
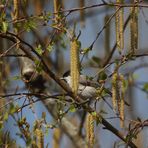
(4, 26)
(72, 109)
(39, 49)
(29, 25)
(6, 115)
(145, 87)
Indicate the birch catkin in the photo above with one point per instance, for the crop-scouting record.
(82, 14)
(16, 5)
(74, 65)
(40, 138)
(56, 4)
(90, 131)
(107, 35)
(119, 22)
(134, 28)
(118, 92)
(122, 101)
(56, 138)
(56, 8)
(114, 90)
(16, 9)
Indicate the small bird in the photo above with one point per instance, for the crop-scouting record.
(87, 88)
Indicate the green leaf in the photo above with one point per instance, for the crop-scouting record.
(29, 25)
(50, 48)
(145, 87)
(98, 120)
(16, 78)
(46, 131)
(6, 115)
(85, 50)
(1, 124)
(94, 114)
(89, 78)
(79, 44)
(116, 61)
(4, 27)
(105, 92)
(39, 49)
(37, 62)
(63, 44)
(72, 109)
(28, 142)
(12, 109)
(39, 68)
(46, 17)
(102, 75)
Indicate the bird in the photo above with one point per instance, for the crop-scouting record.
(87, 88)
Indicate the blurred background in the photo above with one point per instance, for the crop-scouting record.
(39, 24)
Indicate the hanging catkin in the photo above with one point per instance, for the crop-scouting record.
(16, 9)
(119, 22)
(40, 138)
(56, 8)
(134, 28)
(114, 90)
(56, 138)
(118, 93)
(74, 65)
(15, 15)
(121, 110)
(107, 35)
(90, 130)
(82, 12)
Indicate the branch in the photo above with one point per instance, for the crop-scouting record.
(65, 124)
(110, 127)
(101, 5)
(69, 91)
(13, 39)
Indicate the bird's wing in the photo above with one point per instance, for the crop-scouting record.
(84, 80)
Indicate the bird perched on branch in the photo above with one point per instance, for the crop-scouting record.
(86, 89)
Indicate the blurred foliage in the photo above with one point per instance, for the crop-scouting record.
(36, 37)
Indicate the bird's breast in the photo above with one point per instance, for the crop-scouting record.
(87, 91)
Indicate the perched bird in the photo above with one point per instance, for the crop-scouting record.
(87, 88)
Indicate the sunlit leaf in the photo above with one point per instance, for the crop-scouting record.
(72, 109)
(39, 49)
(145, 87)
(85, 50)
(16, 78)
(29, 25)
(98, 120)
(50, 48)
(4, 27)
(12, 109)
(102, 75)
(1, 124)
(94, 114)
(6, 115)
